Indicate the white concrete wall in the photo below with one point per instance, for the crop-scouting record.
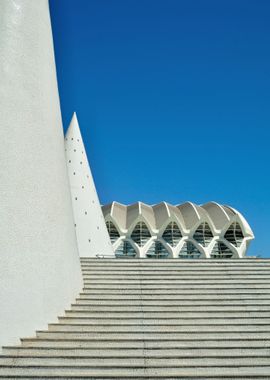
(91, 231)
(39, 263)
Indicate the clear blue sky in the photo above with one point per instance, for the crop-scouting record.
(173, 99)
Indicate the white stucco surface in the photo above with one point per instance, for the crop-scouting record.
(39, 263)
(92, 235)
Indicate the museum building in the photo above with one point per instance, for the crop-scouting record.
(186, 231)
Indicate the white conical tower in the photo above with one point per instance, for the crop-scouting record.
(92, 235)
(39, 262)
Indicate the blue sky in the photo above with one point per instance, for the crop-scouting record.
(173, 99)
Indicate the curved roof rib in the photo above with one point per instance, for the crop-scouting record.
(119, 214)
(138, 211)
(189, 213)
(162, 213)
(193, 214)
(217, 214)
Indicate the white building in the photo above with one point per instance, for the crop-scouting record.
(183, 231)
(39, 254)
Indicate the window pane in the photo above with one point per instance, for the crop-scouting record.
(140, 234)
(172, 234)
(203, 235)
(114, 234)
(189, 251)
(234, 234)
(221, 251)
(157, 251)
(125, 249)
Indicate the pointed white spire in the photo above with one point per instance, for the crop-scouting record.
(92, 234)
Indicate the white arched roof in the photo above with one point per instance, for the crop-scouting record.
(217, 213)
(187, 214)
(116, 212)
(188, 217)
(140, 210)
(192, 214)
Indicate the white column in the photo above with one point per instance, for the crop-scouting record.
(92, 235)
(39, 263)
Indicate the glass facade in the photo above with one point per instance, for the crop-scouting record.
(234, 234)
(221, 251)
(113, 232)
(125, 249)
(140, 235)
(172, 234)
(189, 251)
(203, 235)
(157, 251)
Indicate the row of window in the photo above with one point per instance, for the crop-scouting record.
(188, 251)
(172, 234)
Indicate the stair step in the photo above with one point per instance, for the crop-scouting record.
(178, 276)
(229, 352)
(177, 267)
(147, 344)
(172, 302)
(177, 280)
(177, 292)
(133, 362)
(166, 314)
(175, 270)
(144, 328)
(174, 297)
(143, 372)
(169, 286)
(165, 321)
(152, 262)
(172, 308)
(177, 336)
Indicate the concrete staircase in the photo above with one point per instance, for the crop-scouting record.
(156, 319)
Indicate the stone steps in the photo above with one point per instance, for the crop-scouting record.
(156, 319)
(184, 336)
(179, 280)
(171, 298)
(171, 302)
(178, 291)
(210, 372)
(175, 266)
(168, 262)
(167, 314)
(169, 286)
(21, 351)
(175, 274)
(165, 321)
(58, 327)
(144, 344)
(158, 275)
(110, 362)
(170, 308)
